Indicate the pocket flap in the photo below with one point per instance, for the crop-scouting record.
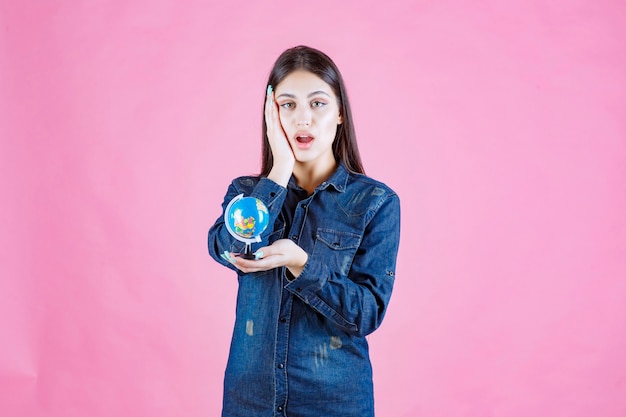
(338, 240)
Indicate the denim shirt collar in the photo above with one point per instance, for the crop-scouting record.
(339, 180)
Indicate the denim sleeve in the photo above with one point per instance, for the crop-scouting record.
(356, 302)
(266, 190)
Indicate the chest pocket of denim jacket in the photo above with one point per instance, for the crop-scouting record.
(336, 248)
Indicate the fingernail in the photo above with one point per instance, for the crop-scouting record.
(269, 90)
(258, 255)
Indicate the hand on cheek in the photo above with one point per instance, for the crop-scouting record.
(282, 153)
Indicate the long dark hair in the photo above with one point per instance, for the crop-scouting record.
(309, 59)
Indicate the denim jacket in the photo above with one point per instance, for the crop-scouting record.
(298, 347)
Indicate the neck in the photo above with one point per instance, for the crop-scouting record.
(309, 176)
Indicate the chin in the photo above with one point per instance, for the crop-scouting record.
(304, 160)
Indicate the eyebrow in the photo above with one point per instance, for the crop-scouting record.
(309, 96)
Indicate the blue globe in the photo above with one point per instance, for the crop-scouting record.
(246, 218)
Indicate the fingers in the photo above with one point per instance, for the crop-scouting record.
(252, 265)
(275, 133)
(272, 120)
(282, 153)
(266, 258)
(270, 106)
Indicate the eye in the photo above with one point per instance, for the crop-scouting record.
(287, 105)
(317, 103)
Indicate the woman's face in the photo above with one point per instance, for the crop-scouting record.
(309, 115)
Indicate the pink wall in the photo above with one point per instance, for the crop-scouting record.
(502, 125)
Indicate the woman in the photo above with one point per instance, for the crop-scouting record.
(324, 271)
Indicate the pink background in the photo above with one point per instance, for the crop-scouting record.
(502, 125)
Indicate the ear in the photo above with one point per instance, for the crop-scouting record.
(340, 119)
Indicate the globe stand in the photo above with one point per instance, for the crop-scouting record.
(247, 253)
(246, 218)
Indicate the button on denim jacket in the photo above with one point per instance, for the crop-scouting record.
(298, 347)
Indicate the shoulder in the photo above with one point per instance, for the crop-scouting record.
(246, 183)
(362, 183)
(365, 195)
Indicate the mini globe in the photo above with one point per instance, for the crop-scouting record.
(246, 218)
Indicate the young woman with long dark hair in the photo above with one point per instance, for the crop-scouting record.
(324, 270)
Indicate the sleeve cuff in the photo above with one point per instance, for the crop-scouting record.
(269, 192)
(309, 282)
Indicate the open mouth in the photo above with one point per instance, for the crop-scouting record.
(304, 139)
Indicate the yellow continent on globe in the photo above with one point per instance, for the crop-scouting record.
(245, 226)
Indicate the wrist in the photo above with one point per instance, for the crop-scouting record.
(280, 175)
(297, 267)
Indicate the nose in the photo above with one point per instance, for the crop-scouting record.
(302, 123)
(303, 118)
